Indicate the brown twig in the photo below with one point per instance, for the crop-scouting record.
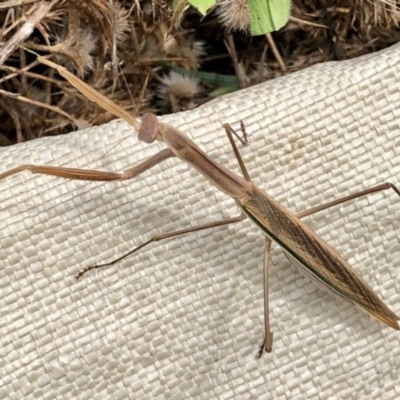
(230, 45)
(275, 51)
(26, 30)
(114, 58)
(15, 71)
(15, 118)
(16, 3)
(24, 99)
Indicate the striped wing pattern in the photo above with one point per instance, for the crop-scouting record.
(307, 250)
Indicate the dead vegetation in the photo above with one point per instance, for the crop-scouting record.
(146, 57)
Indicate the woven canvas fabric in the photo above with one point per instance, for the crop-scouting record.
(184, 318)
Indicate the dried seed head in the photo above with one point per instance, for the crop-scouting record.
(78, 48)
(197, 49)
(234, 14)
(122, 25)
(86, 45)
(181, 85)
(187, 50)
(179, 91)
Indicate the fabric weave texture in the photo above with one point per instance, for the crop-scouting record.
(183, 319)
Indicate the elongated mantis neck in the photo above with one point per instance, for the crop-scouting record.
(219, 176)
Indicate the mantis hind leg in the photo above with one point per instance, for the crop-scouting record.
(268, 336)
(375, 189)
(164, 236)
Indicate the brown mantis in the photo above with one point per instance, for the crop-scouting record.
(309, 253)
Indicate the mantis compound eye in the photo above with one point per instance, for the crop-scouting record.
(148, 132)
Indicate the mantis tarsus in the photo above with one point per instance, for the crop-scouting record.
(308, 252)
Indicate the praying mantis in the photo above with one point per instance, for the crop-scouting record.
(313, 257)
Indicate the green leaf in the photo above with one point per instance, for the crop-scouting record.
(222, 91)
(202, 5)
(268, 15)
(210, 77)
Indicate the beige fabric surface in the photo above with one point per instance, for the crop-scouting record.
(184, 319)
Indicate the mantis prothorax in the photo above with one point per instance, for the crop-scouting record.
(305, 249)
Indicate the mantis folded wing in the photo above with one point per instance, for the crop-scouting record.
(314, 257)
